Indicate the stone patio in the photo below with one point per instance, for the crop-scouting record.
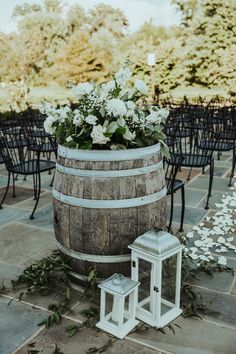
(23, 241)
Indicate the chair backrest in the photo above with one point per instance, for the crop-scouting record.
(198, 142)
(15, 152)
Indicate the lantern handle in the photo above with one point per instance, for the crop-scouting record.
(118, 278)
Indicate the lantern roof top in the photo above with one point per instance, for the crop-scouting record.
(118, 284)
(158, 243)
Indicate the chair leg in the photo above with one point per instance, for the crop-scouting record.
(183, 209)
(51, 184)
(189, 175)
(210, 183)
(171, 211)
(203, 170)
(233, 167)
(13, 186)
(6, 191)
(38, 179)
(35, 185)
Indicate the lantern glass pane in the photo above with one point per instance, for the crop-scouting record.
(111, 309)
(145, 273)
(127, 311)
(168, 284)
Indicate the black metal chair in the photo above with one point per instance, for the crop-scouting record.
(32, 122)
(195, 149)
(223, 123)
(20, 159)
(173, 185)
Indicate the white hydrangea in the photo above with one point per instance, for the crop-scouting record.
(91, 119)
(97, 135)
(153, 118)
(63, 113)
(164, 113)
(141, 86)
(122, 76)
(48, 125)
(85, 88)
(116, 107)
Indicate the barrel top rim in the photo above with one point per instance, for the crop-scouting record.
(108, 155)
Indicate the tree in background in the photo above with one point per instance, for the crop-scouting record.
(53, 45)
(208, 42)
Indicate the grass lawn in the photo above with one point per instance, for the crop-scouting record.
(61, 94)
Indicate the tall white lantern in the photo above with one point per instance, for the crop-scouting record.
(156, 264)
(117, 305)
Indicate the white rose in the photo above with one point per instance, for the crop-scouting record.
(130, 105)
(153, 118)
(122, 76)
(116, 107)
(128, 135)
(141, 86)
(91, 119)
(97, 135)
(78, 119)
(82, 89)
(110, 86)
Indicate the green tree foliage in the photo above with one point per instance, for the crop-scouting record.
(58, 43)
(209, 41)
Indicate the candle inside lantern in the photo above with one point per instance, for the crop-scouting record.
(151, 59)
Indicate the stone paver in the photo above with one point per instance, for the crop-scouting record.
(42, 218)
(194, 337)
(19, 242)
(82, 341)
(17, 323)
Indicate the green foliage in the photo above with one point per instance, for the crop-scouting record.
(53, 46)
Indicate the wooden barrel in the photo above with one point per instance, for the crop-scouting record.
(103, 200)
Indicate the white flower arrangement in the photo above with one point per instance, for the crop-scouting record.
(108, 116)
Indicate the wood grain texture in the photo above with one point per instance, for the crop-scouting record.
(107, 231)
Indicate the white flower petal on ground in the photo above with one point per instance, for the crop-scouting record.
(190, 235)
(222, 260)
(193, 249)
(203, 258)
(193, 256)
(229, 239)
(197, 243)
(221, 239)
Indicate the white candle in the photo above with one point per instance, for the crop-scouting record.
(151, 59)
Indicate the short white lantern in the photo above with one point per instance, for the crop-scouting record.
(118, 305)
(156, 264)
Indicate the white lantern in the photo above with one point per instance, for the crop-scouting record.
(156, 264)
(118, 305)
(151, 59)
